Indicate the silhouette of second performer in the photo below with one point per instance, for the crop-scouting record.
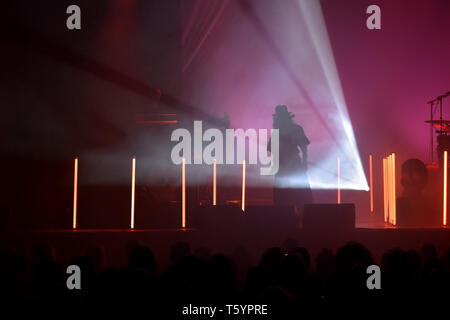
(291, 181)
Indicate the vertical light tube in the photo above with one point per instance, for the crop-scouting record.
(133, 189)
(394, 193)
(392, 197)
(339, 180)
(183, 194)
(389, 182)
(385, 190)
(444, 213)
(243, 186)
(371, 182)
(75, 193)
(214, 183)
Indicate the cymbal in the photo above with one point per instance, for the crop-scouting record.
(444, 127)
(438, 121)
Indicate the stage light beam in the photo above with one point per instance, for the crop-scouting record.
(316, 27)
(75, 193)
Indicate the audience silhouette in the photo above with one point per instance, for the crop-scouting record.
(288, 281)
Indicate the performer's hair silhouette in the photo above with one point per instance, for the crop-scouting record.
(291, 181)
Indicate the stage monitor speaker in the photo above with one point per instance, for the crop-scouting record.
(329, 217)
(215, 217)
(276, 218)
(255, 218)
(159, 216)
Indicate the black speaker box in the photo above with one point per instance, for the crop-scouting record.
(209, 217)
(164, 215)
(329, 217)
(277, 218)
(255, 218)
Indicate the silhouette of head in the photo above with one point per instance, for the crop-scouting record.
(414, 177)
(178, 251)
(281, 116)
(282, 111)
(142, 258)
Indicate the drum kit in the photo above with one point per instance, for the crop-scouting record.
(440, 127)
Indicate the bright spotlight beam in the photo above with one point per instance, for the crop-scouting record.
(344, 140)
(316, 26)
(248, 9)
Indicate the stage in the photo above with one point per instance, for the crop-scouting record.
(287, 153)
(116, 243)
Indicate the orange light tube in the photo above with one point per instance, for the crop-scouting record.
(214, 182)
(75, 193)
(389, 189)
(390, 214)
(339, 180)
(444, 213)
(394, 193)
(133, 189)
(371, 183)
(385, 190)
(243, 186)
(183, 194)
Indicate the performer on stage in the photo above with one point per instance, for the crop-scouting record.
(291, 181)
